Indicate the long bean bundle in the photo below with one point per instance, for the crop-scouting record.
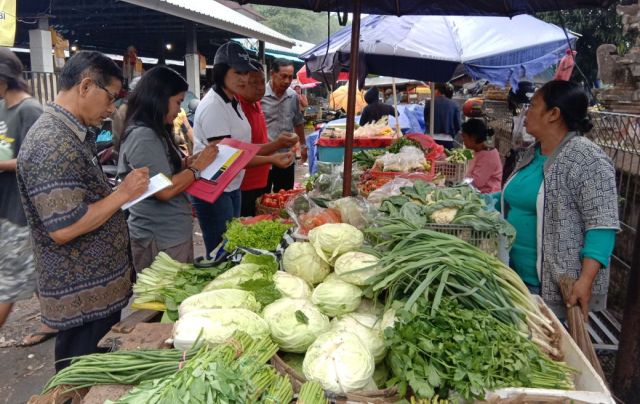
(418, 263)
(280, 391)
(120, 367)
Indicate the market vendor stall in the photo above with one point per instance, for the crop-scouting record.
(379, 300)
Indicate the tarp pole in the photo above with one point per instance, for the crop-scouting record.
(351, 98)
(395, 106)
(626, 377)
(432, 109)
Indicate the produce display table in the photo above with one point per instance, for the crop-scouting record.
(332, 149)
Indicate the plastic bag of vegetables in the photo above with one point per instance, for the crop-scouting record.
(367, 328)
(339, 361)
(357, 267)
(216, 326)
(220, 299)
(291, 286)
(335, 297)
(301, 259)
(333, 239)
(295, 323)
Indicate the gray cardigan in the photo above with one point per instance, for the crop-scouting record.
(578, 194)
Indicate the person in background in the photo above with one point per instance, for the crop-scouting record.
(254, 184)
(388, 97)
(282, 111)
(120, 114)
(302, 98)
(447, 113)
(218, 117)
(486, 167)
(183, 132)
(18, 112)
(78, 230)
(162, 222)
(374, 109)
(563, 203)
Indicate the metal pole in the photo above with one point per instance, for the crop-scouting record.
(351, 98)
(395, 105)
(263, 61)
(626, 377)
(432, 110)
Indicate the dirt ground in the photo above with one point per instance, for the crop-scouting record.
(27, 369)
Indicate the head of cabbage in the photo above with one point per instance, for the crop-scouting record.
(357, 267)
(339, 361)
(335, 297)
(300, 259)
(220, 299)
(333, 239)
(365, 326)
(235, 276)
(291, 286)
(294, 323)
(216, 326)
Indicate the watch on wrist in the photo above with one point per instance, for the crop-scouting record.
(196, 172)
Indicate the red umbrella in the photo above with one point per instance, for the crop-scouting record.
(303, 78)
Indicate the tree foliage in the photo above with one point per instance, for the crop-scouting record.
(298, 24)
(597, 27)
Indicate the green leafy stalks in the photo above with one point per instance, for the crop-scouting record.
(467, 352)
(264, 235)
(312, 393)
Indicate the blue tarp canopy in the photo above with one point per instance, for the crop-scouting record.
(500, 49)
(436, 7)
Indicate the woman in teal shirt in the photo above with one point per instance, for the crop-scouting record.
(562, 201)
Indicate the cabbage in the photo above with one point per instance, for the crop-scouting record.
(216, 325)
(294, 323)
(232, 278)
(291, 286)
(339, 361)
(367, 327)
(335, 297)
(368, 306)
(332, 239)
(301, 259)
(388, 320)
(220, 299)
(363, 264)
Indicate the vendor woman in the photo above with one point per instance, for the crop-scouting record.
(220, 116)
(485, 169)
(562, 200)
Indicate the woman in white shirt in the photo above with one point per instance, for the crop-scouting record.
(220, 116)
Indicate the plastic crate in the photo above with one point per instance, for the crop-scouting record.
(454, 173)
(486, 241)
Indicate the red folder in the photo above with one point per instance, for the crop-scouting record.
(209, 190)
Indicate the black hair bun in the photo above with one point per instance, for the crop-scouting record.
(585, 125)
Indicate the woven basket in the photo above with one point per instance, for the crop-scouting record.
(453, 172)
(385, 396)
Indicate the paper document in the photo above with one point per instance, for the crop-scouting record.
(226, 156)
(156, 183)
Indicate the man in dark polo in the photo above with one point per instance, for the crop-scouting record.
(78, 231)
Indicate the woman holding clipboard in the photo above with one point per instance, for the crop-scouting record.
(220, 116)
(162, 222)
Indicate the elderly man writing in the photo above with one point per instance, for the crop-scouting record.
(79, 233)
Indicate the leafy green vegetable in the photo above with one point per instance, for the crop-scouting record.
(465, 351)
(402, 142)
(459, 155)
(417, 204)
(264, 235)
(365, 159)
(263, 289)
(301, 317)
(268, 262)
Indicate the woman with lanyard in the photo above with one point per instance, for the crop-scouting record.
(220, 116)
(563, 203)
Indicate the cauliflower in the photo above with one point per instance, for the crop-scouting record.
(444, 215)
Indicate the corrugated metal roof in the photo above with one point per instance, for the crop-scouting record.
(214, 14)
